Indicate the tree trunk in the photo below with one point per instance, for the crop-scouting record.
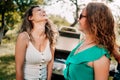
(74, 23)
(76, 14)
(1, 34)
(2, 27)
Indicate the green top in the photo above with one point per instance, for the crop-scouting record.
(76, 65)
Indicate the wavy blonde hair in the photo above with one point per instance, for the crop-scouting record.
(101, 25)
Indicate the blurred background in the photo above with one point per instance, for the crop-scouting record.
(63, 13)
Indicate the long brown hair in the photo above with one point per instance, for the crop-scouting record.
(101, 25)
(27, 26)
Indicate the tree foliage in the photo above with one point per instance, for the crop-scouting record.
(59, 21)
(11, 12)
(77, 6)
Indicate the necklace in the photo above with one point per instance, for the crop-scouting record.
(82, 47)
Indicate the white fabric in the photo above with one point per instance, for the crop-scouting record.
(35, 67)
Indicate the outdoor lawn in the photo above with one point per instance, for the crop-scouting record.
(7, 67)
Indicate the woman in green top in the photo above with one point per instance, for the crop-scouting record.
(90, 60)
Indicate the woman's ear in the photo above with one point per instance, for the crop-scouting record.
(30, 17)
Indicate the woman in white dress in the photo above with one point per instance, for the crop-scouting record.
(34, 51)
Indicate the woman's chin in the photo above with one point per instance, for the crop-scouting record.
(44, 20)
(80, 29)
(45, 17)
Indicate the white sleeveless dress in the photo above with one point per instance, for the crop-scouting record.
(35, 66)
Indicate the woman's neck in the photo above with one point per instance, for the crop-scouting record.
(38, 29)
(89, 38)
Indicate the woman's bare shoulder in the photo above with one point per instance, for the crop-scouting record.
(23, 37)
(102, 61)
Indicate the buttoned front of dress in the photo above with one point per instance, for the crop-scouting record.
(35, 66)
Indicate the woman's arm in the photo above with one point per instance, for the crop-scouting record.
(20, 55)
(50, 64)
(101, 68)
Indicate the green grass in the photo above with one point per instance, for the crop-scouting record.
(7, 67)
(110, 78)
